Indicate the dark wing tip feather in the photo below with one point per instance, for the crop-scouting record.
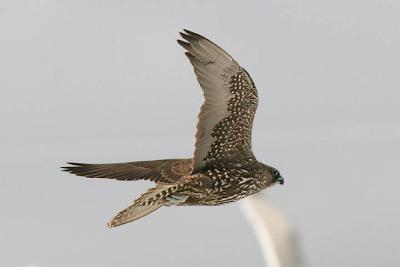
(75, 163)
(191, 37)
(188, 38)
(76, 168)
(190, 56)
(65, 169)
(194, 35)
(184, 44)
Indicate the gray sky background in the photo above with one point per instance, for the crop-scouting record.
(105, 81)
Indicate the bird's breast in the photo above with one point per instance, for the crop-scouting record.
(220, 186)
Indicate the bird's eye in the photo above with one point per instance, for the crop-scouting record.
(275, 173)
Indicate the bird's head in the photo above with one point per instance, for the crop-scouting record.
(273, 174)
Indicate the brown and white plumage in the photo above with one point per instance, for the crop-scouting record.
(226, 117)
(223, 168)
(159, 171)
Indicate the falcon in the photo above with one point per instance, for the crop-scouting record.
(223, 168)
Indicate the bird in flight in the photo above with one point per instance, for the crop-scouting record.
(223, 168)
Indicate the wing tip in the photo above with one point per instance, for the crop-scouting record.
(190, 56)
(190, 36)
(73, 166)
(66, 168)
(193, 34)
(79, 169)
(77, 163)
(184, 44)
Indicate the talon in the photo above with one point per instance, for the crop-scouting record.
(172, 198)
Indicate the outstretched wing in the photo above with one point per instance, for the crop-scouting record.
(226, 117)
(160, 171)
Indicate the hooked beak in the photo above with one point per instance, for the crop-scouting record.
(280, 180)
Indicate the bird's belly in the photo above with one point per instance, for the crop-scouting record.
(218, 195)
(212, 200)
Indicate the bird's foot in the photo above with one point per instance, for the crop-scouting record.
(175, 199)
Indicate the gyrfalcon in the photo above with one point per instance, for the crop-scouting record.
(223, 168)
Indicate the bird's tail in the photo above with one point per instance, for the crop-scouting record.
(148, 202)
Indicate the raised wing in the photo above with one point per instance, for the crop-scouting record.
(160, 171)
(226, 117)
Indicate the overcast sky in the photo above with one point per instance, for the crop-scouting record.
(105, 81)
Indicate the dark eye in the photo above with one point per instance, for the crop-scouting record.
(275, 173)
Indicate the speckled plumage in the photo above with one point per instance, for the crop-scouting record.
(223, 168)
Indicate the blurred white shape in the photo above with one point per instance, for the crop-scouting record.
(277, 239)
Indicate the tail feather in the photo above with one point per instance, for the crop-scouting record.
(132, 213)
(148, 202)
